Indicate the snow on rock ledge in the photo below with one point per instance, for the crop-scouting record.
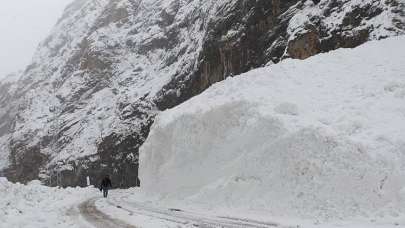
(322, 137)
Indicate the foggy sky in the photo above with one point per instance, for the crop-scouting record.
(23, 24)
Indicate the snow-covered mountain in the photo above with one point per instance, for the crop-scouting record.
(86, 103)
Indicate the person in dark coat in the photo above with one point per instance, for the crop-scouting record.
(105, 185)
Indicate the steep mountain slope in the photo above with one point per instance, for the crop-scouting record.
(7, 110)
(307, 139)
(86, 103)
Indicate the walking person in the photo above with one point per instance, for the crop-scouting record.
(105, 185)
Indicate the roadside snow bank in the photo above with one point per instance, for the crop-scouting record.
(34, 205)
(320, 138)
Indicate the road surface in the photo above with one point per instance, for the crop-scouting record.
(170, 216)
(97, 218)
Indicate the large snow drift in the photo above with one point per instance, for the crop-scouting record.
(324, 138)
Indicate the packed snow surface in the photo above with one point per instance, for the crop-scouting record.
(34, 205)
(321, 138)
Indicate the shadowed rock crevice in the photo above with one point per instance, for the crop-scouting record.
(26, 163)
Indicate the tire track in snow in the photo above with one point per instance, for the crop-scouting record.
(188, 219)
(97, 218)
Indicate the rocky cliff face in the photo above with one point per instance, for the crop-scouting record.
(86, 103)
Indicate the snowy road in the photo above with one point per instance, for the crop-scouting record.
(137, 213)
(97, 218)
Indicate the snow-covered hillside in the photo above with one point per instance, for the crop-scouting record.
(322, 138)
(86, 103)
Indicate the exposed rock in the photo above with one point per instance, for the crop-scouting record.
(25, 163)
(305, 44)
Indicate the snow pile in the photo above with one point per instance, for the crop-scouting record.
(321, 138)
(34, 205)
